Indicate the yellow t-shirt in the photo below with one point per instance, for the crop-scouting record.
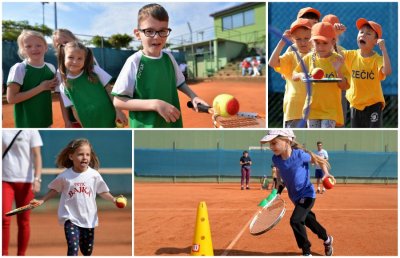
(326, 98)
(365, 79)
(295, 92)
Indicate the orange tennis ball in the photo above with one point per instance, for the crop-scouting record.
(226, 105)
(121, 202)
(328, 183)
(317, 73)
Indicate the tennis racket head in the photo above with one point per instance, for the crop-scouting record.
(20, 209)
(323, 80)
(240, 120)
(268, 216)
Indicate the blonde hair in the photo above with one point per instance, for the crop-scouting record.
(66, 32)
(87, 67)
(63, 160)
(314, 158)
(25, 34)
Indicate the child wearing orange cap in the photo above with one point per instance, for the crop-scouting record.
(295, 92)
(325, 100)
(367, 69)
(309, 13)
(339, 30)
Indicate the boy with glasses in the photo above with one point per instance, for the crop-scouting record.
(147, 84)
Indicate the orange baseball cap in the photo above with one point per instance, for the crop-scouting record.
(331, 18)
(323, 31)
(308, 10)
(375, 26)
(300, 22)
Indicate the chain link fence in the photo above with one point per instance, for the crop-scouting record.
(281, 15)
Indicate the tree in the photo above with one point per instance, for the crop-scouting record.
(12, 29)
(99, 41)
(120, 40)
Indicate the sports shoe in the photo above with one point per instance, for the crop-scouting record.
(323, 190)
(242, 188)
(318, 190)
(247, 188)
(329, 247)
(307, 254)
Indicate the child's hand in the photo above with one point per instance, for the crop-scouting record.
(339, 28)
(287, 34)
(338, 63)
(381, 44)
(196, 101)
(36, 203)
(49, 84)
(121, 117)
(167, 111)
(330, 176)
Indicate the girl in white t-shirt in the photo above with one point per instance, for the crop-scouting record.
(78, 186)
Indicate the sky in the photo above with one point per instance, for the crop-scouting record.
(108, 18)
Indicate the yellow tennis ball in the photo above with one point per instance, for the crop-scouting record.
(119, 124)
(225, 105)
(121, 202)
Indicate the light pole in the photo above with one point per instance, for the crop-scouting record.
(43, 3)
(55, 15)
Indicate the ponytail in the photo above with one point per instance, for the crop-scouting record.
(314, 158)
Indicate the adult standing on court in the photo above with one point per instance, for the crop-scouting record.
(318, 171)
(245, 162)
(22, 169)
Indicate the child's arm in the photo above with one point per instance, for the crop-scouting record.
(120, 116)
(64, 112)
(326, 172)
(274, 60)
(338, 65)
(387, 67)
(194, 98)
(298, 76)
(37, 162)
(14, 95)
(164, 109)
(50, 194)
(107, 196)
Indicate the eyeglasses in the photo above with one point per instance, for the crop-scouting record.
(152, 33)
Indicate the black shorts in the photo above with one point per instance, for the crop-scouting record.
(370, 117)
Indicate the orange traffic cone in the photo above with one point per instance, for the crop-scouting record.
(202, 243)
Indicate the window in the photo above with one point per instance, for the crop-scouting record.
(238, 20)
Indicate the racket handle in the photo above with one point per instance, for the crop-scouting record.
(202, 108)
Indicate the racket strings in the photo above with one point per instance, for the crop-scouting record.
(235, 122)
(268, 217)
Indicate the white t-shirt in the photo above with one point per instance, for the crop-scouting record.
(17, 71)
(18, 162)
(78, 196)
(103, 76)
(323, 154)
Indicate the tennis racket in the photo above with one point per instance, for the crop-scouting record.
(323, 80)
(268, 216)
(240, 120)
(20, 209)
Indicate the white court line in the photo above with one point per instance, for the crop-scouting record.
(236, 210)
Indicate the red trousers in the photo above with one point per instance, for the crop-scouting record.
(22, 193)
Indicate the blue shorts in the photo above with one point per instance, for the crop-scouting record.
(319, 173)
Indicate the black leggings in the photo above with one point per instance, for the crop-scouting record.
(302, 216)
(78, 238)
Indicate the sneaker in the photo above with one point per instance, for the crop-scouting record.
(329, 247)
(318, 191)
(307, 254)
(242, 188)
(247, 188)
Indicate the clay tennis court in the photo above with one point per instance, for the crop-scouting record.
(113, 236)
(251, 94)
(361, 218)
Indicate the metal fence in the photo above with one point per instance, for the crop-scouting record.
(281, 15)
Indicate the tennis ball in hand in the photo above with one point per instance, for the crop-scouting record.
(328, 183)
(317, 73)
(226, 105)
(119, 124)
(121, 202)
